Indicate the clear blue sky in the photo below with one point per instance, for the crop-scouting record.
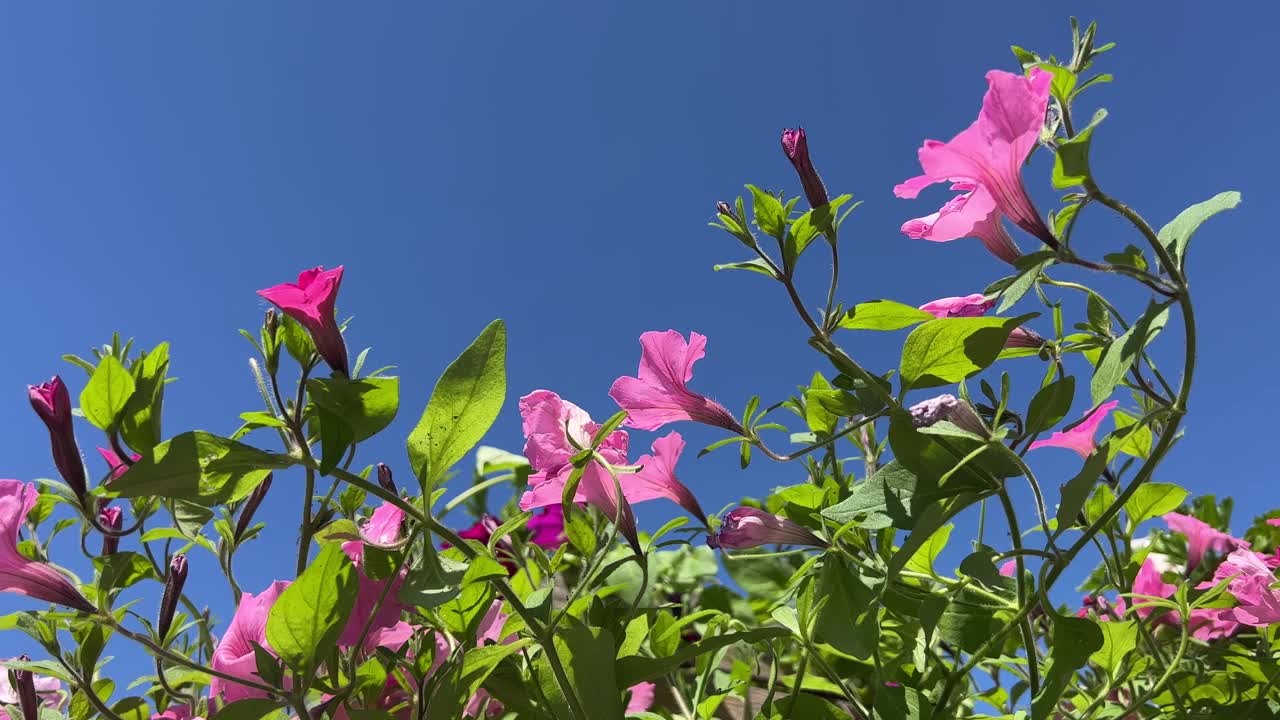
(555, 164)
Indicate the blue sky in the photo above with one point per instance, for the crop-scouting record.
(556, 165)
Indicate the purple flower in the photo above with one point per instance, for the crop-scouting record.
(796, 147)
(52, 403)
(748, 527)
(19, 574)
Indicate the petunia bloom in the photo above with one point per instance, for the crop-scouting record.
(795, 145)
(748, 527)
(311, 301)
(970, 214)
(546, 528)
(117, 465)
(1008, 568)
(1148, 582)
(234, 654)
(1257, 603)
(990, 152)
(110, 518)
(1079, 439)
(52, 403)
(975, 305)
(640, 698)
(660, 394)
(382, 528)
(1205, 624)
(19, 574)
(1201, 537)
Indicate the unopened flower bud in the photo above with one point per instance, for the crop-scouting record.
(25, 683)
(385, 479)
(52, 403)
(748, 527)
(951, 409)
(796, 147)
(271, 344)
(251, 506)
(271, 321)
(110, 518)
(1024, 338)
(722, 208)
(172, 592)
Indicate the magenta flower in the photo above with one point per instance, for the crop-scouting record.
(546, 528)
(640, 698)
(1080, 438)
(1008, 568)
(1257, 603)
(110, 518)
(19, 574)
(52, 403)
(1148, 582)
(234, 654)
(660, 394)
(117, 465)
(1201, 537)
(796, 147)
(174, 712)
(657, 477)
(975, 305)
(990, 152)
(1102, 608)
(311, 302)
(748, 527)
(383, 529)
(970, 214)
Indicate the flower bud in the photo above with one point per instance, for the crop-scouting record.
(110, 518)
(1024, 338)
(385, 479)
(748, 527)
(271, 345)
(722, 208)
(172, 592)
(24, 682)
(950, 408)
(52, 403)
(251, 506)
(796, 147)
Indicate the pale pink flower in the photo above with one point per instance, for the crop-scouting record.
(1274, 522)
(312, 302)
(19, 574)
(1201, 537)
(1008, 568)
(991, 151)
(970, 214)
(382, 528)
(234, 654)
(1148, 582)
(974, 305)
(1080, 438)
(660, 394)
(748, 527)
(640, 698)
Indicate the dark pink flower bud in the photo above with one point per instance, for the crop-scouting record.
(722, 208)
(110, 518)
(25, 683)
(796, 147)
(748, 527)
(386, 479)
(312, 302)
(172, 593)
(52, 403)
(251, 506)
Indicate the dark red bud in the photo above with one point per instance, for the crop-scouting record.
(110, 518)
(251, 506)
(172, 593)
(796, 147)
(385, 479)
(25, 683)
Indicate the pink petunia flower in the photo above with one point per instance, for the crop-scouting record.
(117, 465)
(990, 152)
(1008, 568)
(748, 527)
(234, 654)
(970, 214)
(975, 305)
(546, 528)
(312, 301)
(382, 528)
(19, 574)
(1201, 537)
(1257, 603)
(1080, 438)
(660, 394)
(1148, 582)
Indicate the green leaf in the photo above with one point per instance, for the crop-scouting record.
(1075, 493)
(1029, 269)
(771, 217)
(1178, 232)
(849, 621)
(1074, 640)
(897, 702)
(429, 586)
(121, 570)
(638, 669)
(1071, 163)
(304, 623)
(922, 560)
(1119, 355)
(140, 419)
(1131, 438)
(335, 438)
(757, 265)
(883, 315)
(1064, 81)
(107, 393)
(1119, 638)
(1152, 500)
(1102, 498)
(980, 566)
(589, 661)
(463, 406)
(199, 467)
(248, 709)
(1050, 405)
(948, 350)
(893, 497)
(367, 406)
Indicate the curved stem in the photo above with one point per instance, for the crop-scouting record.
(177, 659)
(818, 445)
(1028, 632)
(304, 542)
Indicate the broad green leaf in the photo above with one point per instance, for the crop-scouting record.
(431, 585)
(1050, 405)
(1064, 81)
(121, 570)
(463, 406)
(771, 217)
(849, 620)
(1029, 268)
(589, 660)
(1178, 232)
(893, 497)
(1071, 163)
(980, 566)
(107, 393)
(883, 315)
(367, 406)
(1119, 638)
(1152, 500)
(897, 702)
(1102, 498)
(638, 669)
(1075, 493)
(1130, 438)
(1074, 640)
(765, 577)
(948, 350)
(305, 621)
(140, 420)
(335, 438)
(922, 560)
(1119, 355)
(199, 467)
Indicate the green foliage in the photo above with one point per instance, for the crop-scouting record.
(198, 467)
(947, 350)
(305, 620)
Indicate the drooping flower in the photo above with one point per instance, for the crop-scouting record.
(1102, 608)
(382, 528)
(660, 394)
(990, 152)
(19, 574)
(973, 213)
(1201, 537)
(748, 527)
(795, 145)
(234, 654)
(311, 301)
(1080, 438)
(546, 528)
(52, 403)
(975, 305)
(172, 594)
